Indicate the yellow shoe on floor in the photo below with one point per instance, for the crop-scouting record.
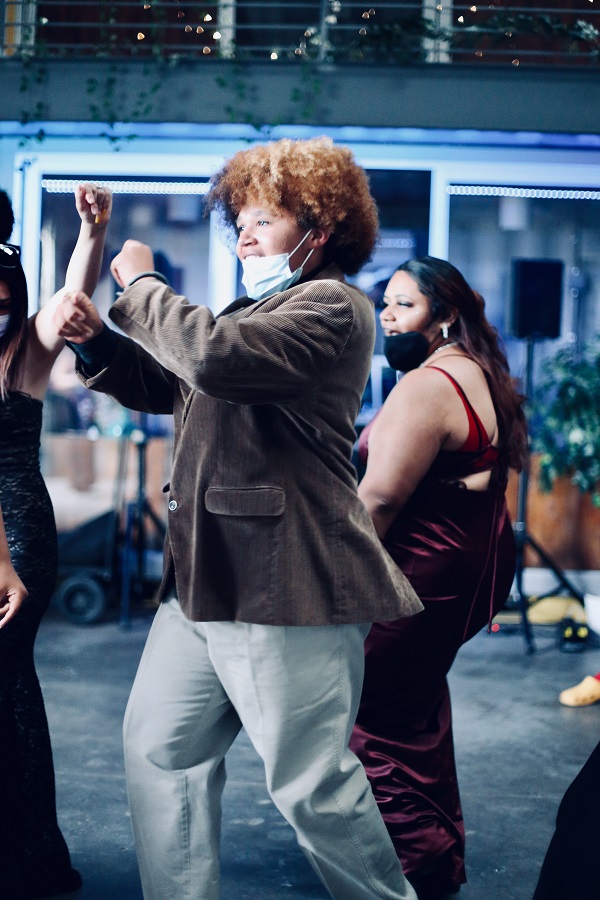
(553, 609)
(548, 610)
(583, 694)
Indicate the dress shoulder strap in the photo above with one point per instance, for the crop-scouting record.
(475, 423)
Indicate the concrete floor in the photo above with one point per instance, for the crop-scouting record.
(517, 751)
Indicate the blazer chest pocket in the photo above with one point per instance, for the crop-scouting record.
(255, 501)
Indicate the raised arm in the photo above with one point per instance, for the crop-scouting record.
(12, 589)
(94, 205)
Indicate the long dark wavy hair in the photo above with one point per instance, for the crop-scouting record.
(7, 217)
(447, 290)
(13, 342)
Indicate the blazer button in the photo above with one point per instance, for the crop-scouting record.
(173, 505)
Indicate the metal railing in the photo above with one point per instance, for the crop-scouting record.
(325, 31)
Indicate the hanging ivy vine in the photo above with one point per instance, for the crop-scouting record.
(406, 40)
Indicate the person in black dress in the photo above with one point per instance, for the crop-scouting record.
(12, 589)
(34, 859)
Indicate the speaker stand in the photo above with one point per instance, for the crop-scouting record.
(522, 536)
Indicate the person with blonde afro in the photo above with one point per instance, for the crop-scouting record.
(273, 569)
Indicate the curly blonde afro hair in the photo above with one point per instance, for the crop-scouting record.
(318, 183)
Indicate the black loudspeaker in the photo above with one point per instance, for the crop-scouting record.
(536, 298)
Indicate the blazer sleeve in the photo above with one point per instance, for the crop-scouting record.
(134, 378)
(275, 354)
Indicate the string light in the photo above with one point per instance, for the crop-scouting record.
(187, 29)
(489, 190)
(207, 18)
(479, 53)
(216, 36)
(515, 62)
(199, 30)
(461, 19)
(140, 35)
(68, 185)
(362, 31)
(274, 55)
(206, 50)
(396, 243)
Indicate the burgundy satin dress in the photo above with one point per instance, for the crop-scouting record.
(457, 549)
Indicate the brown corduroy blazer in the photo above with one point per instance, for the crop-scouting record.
(265, 525)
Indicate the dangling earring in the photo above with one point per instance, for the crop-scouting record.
(445, 331)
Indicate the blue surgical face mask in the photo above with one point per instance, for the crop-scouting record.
(266, 275)
(4, 323)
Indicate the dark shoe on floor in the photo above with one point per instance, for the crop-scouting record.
(436, 893)
(432, 887)
(572, 636)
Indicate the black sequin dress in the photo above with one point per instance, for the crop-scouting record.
(34, 859)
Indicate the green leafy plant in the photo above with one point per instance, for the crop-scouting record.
(564, 415)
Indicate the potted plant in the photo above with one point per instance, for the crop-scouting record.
(564, 418)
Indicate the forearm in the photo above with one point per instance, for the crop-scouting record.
(12, 589)
(83, 270)
(382, 512)
(115, 365)
(4, 551)
(272, 357)
(82, 275)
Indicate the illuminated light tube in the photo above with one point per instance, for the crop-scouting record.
(68, 185)
(487, 190)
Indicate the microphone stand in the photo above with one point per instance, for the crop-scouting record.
(135, 535)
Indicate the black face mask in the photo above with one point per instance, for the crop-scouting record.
(405, 351)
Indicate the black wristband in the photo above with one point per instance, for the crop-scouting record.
(158, 275)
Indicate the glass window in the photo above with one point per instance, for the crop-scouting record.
(491, 226)
(403, 201)
(87, 433)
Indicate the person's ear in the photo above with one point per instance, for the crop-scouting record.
(451, 317)
(318, 238)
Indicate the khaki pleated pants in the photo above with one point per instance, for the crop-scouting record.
(295, 690)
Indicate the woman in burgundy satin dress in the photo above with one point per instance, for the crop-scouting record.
(437, 459)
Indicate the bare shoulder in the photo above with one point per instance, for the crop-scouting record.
(424, 385)
(462, 367)
(418, 405)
